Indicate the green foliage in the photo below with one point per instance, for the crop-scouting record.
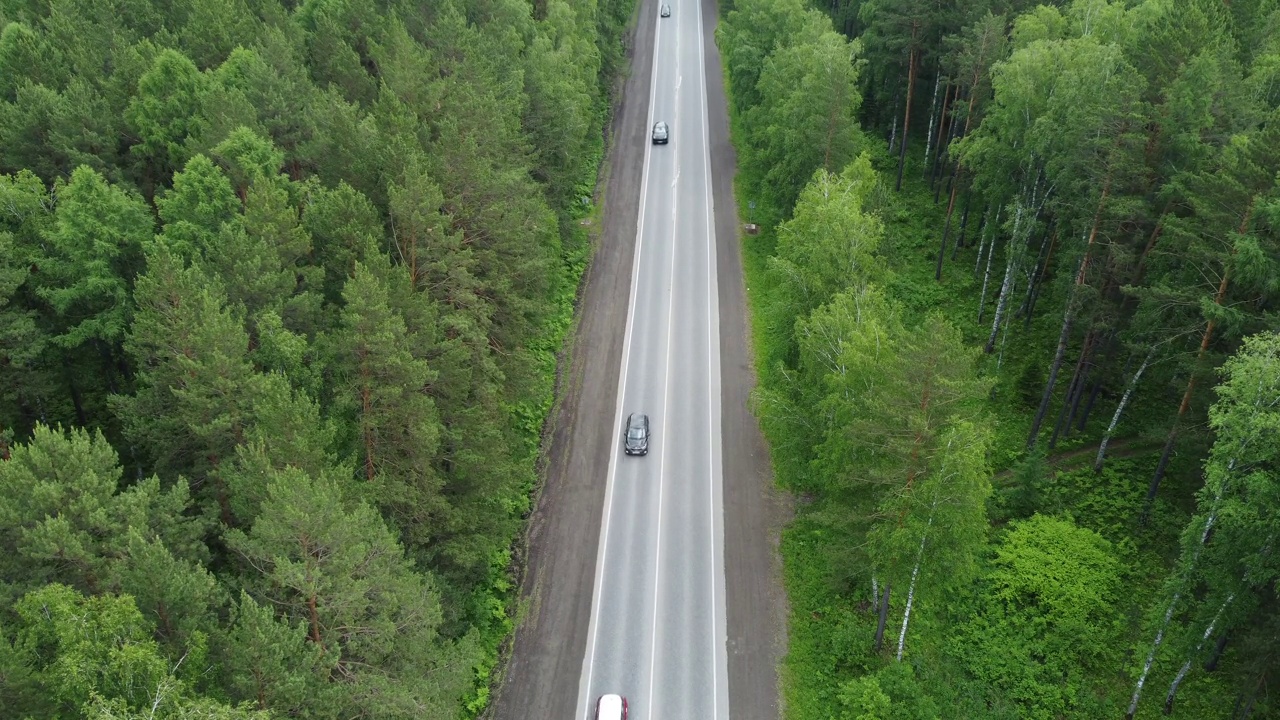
(89, 645)
(1122, 145)
(394, 424)
(165, 112)
(1047, 618)
(796, 82)
(806, 119)
(1026, 491)
(828, 245)
(93, 657)
(66, 518)
(892, 693)
(331, 565)
(411, 174)
(94, 248)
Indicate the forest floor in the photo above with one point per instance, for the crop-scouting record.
(1069, 460)
(539, 677)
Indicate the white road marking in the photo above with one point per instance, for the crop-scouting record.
(713, 356)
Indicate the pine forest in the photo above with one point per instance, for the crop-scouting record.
(281, 286)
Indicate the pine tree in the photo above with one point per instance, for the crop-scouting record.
(331, 565)
(66, 518)
(271, 662)
(383, 390)
(1217, 247)
(197, 207)
(165, 115)
(195, 383)
(345, 227)
(94, 248)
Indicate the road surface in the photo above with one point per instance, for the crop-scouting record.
(657, 629)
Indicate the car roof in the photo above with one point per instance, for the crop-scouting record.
(637, 419)
(660, 124)
(610, 707)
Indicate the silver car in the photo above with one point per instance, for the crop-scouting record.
(660, 133)
(637, 440)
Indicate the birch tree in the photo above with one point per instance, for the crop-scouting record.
(936, 524)
(828, 245)
(807, 117)
(750, 32)
(887, 396)
(1227, 545)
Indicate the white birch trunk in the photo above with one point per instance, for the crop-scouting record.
(1031, 275)
(1186, 666)
(1173, 603)
(911, 596)
(1006, 286)
(982, 247)
(933, 106)
(1204, 536)
(893, 134)
(915, 572)
(1004, 337)
(1146, 668)
(1115, 419)
(986, 277)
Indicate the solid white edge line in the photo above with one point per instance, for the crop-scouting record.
(666, 394)
(584, 691)
(713, 357)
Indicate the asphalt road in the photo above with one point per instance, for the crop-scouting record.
(628, 559)
(657, 629)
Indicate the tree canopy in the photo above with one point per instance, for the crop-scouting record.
(276, 273)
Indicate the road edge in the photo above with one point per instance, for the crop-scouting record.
(755, 511)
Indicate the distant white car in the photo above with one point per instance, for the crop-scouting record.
(661, 133)
(665, 11)
(611, 707)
